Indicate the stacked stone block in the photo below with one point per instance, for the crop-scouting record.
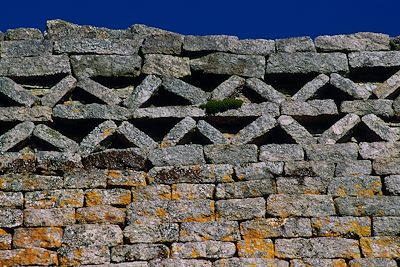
(107, 157)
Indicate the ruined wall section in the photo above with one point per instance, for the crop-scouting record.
(112, 154)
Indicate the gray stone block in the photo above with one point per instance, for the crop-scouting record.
(281, 152)
(371, 206)
(240, 209)
(26, 48)
(178, 155)
(245, 189)
(310, 108)
(295, 44)
(266, 91)
(166, 65)
(231, 154)
(380, 107)
(275, 227)
(166, 43)
(359, 60)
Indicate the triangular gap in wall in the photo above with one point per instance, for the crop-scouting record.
(194, 137)
(163, 98)
(204, 81)
(119, 82)
(155, 128)
(229, 125)
(33, 143)
(289, 84)
(78, 94)
(5, 126)
(370, 75)
(329, 91)
(316, 125)
(38, 82)
(115, 141)
(5, 101)
(361, 133)
(274, 136)
(69, 127)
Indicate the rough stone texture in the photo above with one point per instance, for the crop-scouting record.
(232, 154)
(379, 127)
(16, 135)
(349, 87)
(255, 248)
(46, 237)
(152, 233)
(340, 129)
(281, 152)
(228, 88)
(223, 63)
(240, 209)
(274, 227)
(26, 48)
(355, 186)
(167, 43)
(255, 129)
(295, 44)
(49, 217)
(369, 262)
(307, 63)
(144, 252)
(386, 226)
(296, 130)
(392, 184)
(368, 206)
(349, 227)
(256, 262)
(359, 60)
(92, 235)
(177, 155)
(72, 256)
(23, 34)
(206, 249)
(380, 247)
(309, 168)
(202, 231)
(245, 189)
(59, 91)
(379, 107)
(264, 90)
(310, 88)
(310, 108)
(333, 152)
(143, 92)
(191, 93)
(362, 41)
(166, 65)
(388, 87)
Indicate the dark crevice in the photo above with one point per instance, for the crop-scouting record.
(163, 98)
(275, 136)
(5, 126)
(288, 84)
(194, 137)
(230, 125)
(5, 101)
(207, 82)
(69, 127)
(116, 141)
(331, 92)
(118, 82)
(376, 74)
(252, 96)
(34, 144)
(47, 81)
(155, 128)
(362, 133)
(318, 124)
(78, 94)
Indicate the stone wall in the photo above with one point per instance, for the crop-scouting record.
(111, 156)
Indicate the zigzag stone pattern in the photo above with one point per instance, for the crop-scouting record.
(109, 157)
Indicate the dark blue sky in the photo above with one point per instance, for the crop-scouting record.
(246, 18)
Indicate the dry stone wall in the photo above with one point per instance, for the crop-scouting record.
(111, 156)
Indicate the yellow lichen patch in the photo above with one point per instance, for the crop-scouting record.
(107, 132)
(341, 191)
(256, 248)
(200, 219)
(175, 195)
(38, 237)
(195, 254)
(162, 213)
(30, 256)
(380, 247)
(124, 199)
(339, 263)
(357, 228)
(227, 178)
(93, 198)
(114, 174)
(164, 144)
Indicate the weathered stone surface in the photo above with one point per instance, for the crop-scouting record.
(166, 65)
(29, 182)
(93, 141)
(106, 65)
(53, 161)
(349, 87)
(177, 155)
(240, 209)
(114, 196)
(77, 111)
(368, 206)
(231, 154)
(350, 227)
(255, 248)
(99, 91)
(11, 199)
(332, 152)
(152, 233)
(320, 247)
(167, 43)
(151, 192)
(58, 91)
(221, 43)
(5, 240)
(310, 88)
(364, 262)
(10, 218)
(206, 249)
(55, 138)
(392, 184)
(381, 128)
(223, 63)
(211, 133)
(16, 92)
(98, 46)
(102, 214)
(192, 191)
(65, 198)
(177, 134)
(388, 87)
(376, 150)
(179, 263)
(26, 48)
(256, 262)
(380, 107)
(189, 92)
(283, 205)
(386, 226)
(126, 178)
(116, 159)
(340, 129)
(216, 230)
(18, 162)
(266, 91)
(92, 235)
(36, 113)
(35, 66)
(136, 252)
(358, 60)
(49, 217)
(28, 256)
(380, 247)
(295, 44)
(252, 110)
(257, 128)
(275, 227)
(201, 210)
(143, 92)
(205, 173)
(353, 167)
(245, 189)
(362, 41)
(355, 186)
(307, 62)
(23, 34)
(228, 88)
(258, 170)
(136, 136)
(16, 135)
(85, 179)
(49, 237)
(310, 108)
(309, 168)
(73, 256)
(301, 185)
(296, 130)
(386, 166)
(168, 112)
(281, 152)
(314, 262)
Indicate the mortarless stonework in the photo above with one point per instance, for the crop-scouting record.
(106, 157)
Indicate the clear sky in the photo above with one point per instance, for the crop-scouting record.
(245, 18)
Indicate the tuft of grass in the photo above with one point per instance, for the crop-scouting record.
(216, 106)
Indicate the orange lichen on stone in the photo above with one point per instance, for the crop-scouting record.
(28, 256)
(93, 198)
(255, 248)
(380, 247)
(5, 239)
(45, 237)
